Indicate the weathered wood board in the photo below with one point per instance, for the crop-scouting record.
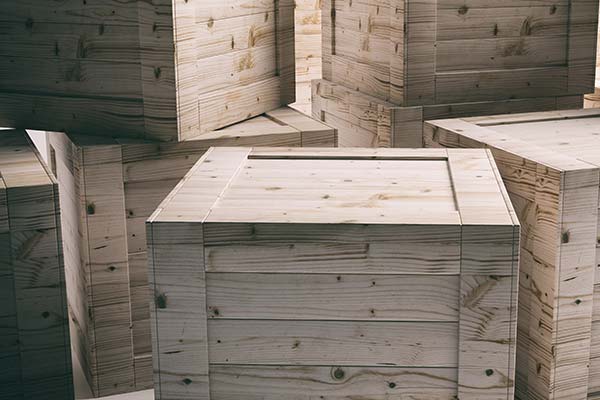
(427, 52)
(365, 121)
(335, 274)
(108, 190)
(164, 69)
(549, 162)
(35, 355)
(308, 51)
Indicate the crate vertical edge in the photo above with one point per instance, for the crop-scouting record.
(549, 163)
(326, 284)
(36, 354)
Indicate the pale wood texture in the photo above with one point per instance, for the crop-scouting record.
(108, 189)
(426, 52)
(308, 51)
(328, 274)
(549, 162)
(366, 121)
(164, 69)
(35, 355)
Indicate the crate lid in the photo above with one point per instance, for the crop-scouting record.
(564, 140)
(340, 186)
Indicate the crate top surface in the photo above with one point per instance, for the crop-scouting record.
(564, 140)
(20, 162)
(279, 122)
(334, 186)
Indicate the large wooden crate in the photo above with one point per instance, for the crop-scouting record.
(425, 52)
(160, 69)
(297, 274)
(108, 190)
(35, 356)
(365, 121)
(549, 162)
(308, 51)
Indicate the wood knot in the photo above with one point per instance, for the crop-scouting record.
(463, 10)
(338, 374)
(112, 268)
(489, 372)
(565, 237)
(45, 314)
(187, 381)
(157, 72)
(391, 385)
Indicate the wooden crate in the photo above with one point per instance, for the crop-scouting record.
(316, 273)
(426, 52)
(308, 51)
(108, 190)
(549, 162)
(161, 69)
(365, 121)
(35, 355)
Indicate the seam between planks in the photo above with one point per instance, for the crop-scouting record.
(227, 185)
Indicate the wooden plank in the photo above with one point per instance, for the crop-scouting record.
(303, 382)
(108, 265)
(420, 59)
(332, 297)
(325, 343)
(311, 249)
(179, 343)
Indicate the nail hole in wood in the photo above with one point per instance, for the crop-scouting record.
(161, 301)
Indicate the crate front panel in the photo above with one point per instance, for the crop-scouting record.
(446, 51)
(316, 328)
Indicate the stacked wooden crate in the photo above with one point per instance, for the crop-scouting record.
(109, 187)
(308, 51)
(164, 70)
(35, 355)
(389, 65)
(299, 273)
(549, 163)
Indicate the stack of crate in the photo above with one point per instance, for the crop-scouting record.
(388, 65)
(141, 90)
